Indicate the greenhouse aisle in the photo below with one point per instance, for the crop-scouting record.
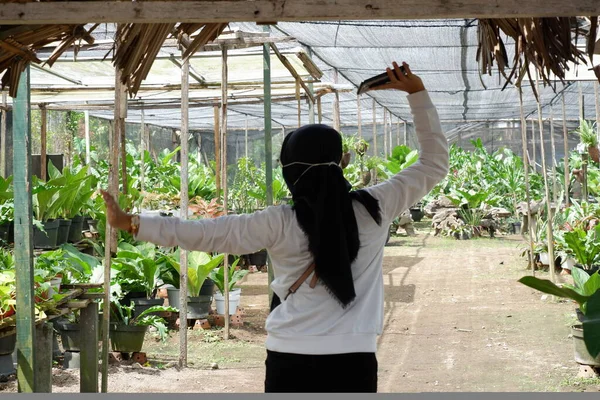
(456, 320)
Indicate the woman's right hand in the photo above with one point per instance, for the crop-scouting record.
(409, 83)
(116, 217)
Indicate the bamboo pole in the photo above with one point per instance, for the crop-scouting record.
(43, 143)
(23, 252)
(566, 150)
(358, 116)
(597, 103)
(398, 133)
(581, 102)
(406, 133)
(88, 158)
(269, 143)
(217, 150)
(526, 169)
(336, 104)
(553, 144)
(385, 135)
(224, 177)
(246, 139)
(184, 200)
(299, 100)
(3, 149)
(550, 213)
(533, 143)
(319, 110)
(143, 147)
(374, 128)
(123, 150)
(311, 102)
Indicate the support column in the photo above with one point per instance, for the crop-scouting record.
(142, 149)
(26, 357)
(43, 143)
(89, 349)
(3, 150)
(217, 150)
(311, 104)
(224, 178)
(88, 160)
(268, 139)
(358, 116)
(566, 151)
(44, 334)
(184, 199)
(336, 104)
(374, 128)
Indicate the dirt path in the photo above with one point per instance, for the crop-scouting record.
(455, 320)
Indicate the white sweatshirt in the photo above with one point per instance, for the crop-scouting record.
(310, 321)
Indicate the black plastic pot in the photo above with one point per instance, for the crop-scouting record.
(4, 232)
(590, 271)
(259, 258)
(64, 226)
(46, 240)
(127, 339)
(198, 307)
(208, 288)
(417, 214)
(132, 295)
(11, 232)
(76, 229)
(70, 335)
(85, 226)
(7, 344)
(582, 355)
(92, 225)
(142, 305)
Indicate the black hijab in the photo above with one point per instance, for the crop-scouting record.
(323, 204)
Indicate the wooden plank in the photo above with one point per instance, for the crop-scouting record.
(43, 142)
(89, 349)
(184, 196)
(82, 286)
(43, 360)
(199, 11)
(24, 235)
(292, 71)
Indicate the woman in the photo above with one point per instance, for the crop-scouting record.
(326, 250)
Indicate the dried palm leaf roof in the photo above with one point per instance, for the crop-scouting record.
(546, 44)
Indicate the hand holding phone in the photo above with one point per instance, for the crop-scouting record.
(399, 78)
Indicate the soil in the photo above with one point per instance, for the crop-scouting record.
(456, 320)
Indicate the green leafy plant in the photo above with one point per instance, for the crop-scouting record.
(585, 245)
(587, 133)
(138, 269)
(200, 265)
(124, 315)
(401, 158)
(218, 276)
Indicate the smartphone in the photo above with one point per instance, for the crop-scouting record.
(377, 80)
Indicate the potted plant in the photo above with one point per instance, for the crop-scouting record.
(218, 277)
(200, 265)
(138, 274)
(128, 331)
(587, 295)
(7, 294)
(585, 245)
(589, 139)
(348, 143)
(46, 203)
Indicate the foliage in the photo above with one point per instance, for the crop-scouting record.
(401, 158)
(124, 315)
(585, 245)
(218, 276)
(138, 269)
(200, 265)
(587, 133)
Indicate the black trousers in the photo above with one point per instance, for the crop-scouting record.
(335, 373)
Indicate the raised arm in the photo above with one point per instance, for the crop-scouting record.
(234, 234)
(408, 186)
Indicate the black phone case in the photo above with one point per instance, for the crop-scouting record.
(375, 81)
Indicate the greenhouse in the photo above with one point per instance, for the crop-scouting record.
(180, 109)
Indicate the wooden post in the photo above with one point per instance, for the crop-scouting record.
(23, 253)
(299, 101)
(44, 333)
(385, 135)
(246, 139)
(217, 150)
(319, 110)
(550, 213)
(89, 349)
(269, 143)
(336, 104)
(597, 103)
(533, 141)
(224, 81)
(88, 159)
(3, 149)
(374, 128)
(184, 196)
(405, 133)
(566, 150)
(43, 143)
(581, 102)
(359, 116)
(552, 143)
(391, 133)
(526, 169)
(311, 102)
(123, 143)
(142, 149)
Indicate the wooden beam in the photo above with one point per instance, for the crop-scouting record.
(199, 11)
(26, 357)
(43, 143)
(292, 71)
(184, 200)
(89, 349)
(43, 360)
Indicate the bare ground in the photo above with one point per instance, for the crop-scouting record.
(456, 319)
